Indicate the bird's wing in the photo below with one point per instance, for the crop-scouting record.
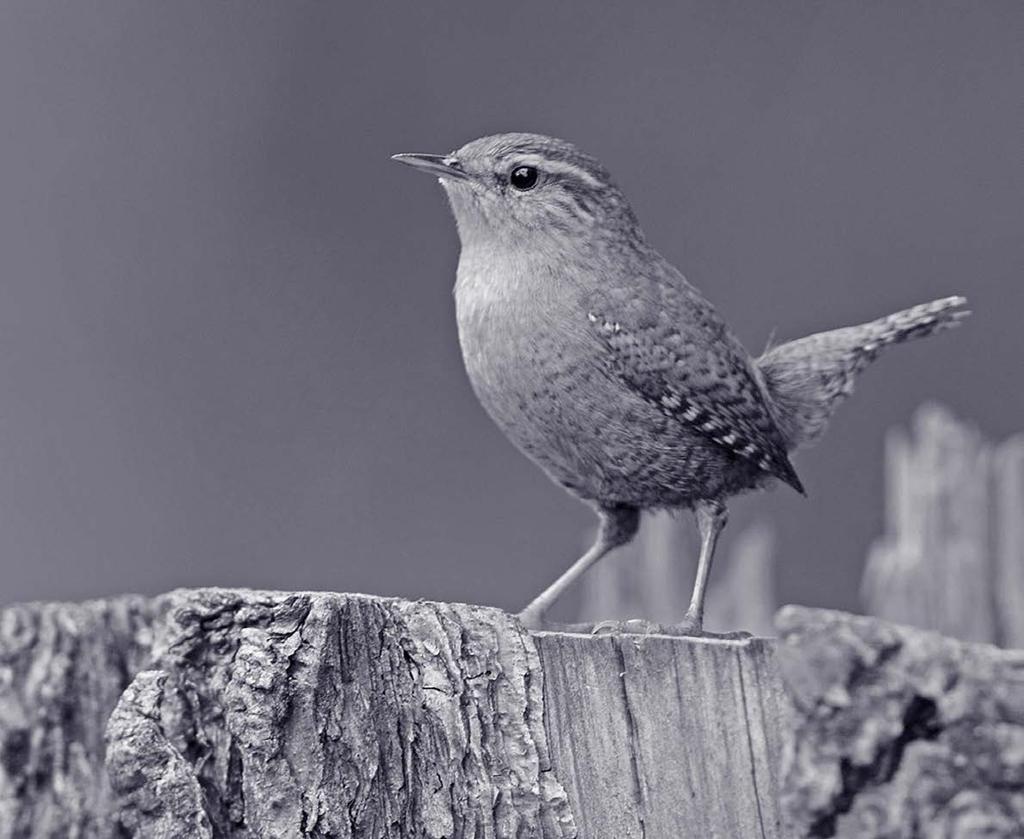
(674, 349)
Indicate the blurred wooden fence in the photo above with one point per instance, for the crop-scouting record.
(952, 556)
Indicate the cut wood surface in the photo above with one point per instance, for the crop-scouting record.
(229, 713)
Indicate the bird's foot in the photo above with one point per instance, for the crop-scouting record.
(633, 626)
(693, 627)
(691, 624)
(688, 627)
(684, 629)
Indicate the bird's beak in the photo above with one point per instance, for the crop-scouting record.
(441, 166)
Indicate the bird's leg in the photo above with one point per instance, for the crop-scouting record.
(711, 518)
(618, 525)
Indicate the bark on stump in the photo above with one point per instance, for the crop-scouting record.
(899, 732)
(254, 714)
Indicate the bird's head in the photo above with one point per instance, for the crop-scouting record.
(516, 188)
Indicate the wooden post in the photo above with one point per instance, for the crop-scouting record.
(280, 715)
(221, 713)
(1009, 577)
(899, 733)
(952, 557)
(657, 736)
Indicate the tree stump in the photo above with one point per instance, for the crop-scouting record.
(229, 713)
(899, 732)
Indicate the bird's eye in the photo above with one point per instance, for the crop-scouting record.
(524, 177)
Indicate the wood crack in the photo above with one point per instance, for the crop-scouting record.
(634, 740)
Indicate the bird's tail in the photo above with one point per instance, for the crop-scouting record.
(809, 377)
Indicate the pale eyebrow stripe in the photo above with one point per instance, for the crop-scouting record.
(556, 167)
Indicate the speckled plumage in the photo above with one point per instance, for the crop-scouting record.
(604, 365)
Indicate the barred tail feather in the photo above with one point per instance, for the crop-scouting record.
(809, 377)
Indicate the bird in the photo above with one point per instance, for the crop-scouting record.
(606, 367)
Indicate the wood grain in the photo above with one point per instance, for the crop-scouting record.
(238, 714)
(657, 736)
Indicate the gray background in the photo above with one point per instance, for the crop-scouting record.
(227, 349)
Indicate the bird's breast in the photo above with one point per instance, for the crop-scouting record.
(505, 320)
(525, 348)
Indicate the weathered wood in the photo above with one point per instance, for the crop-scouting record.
(647, 733)
(62, 669)
(933, 567)
(256, 714)
(278, 715)
(899, 733)
(952, 557)
(337, 715)
(1008, 463)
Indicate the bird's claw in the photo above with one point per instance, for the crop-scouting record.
(633, 626)
(686, 628)
(683, 629)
